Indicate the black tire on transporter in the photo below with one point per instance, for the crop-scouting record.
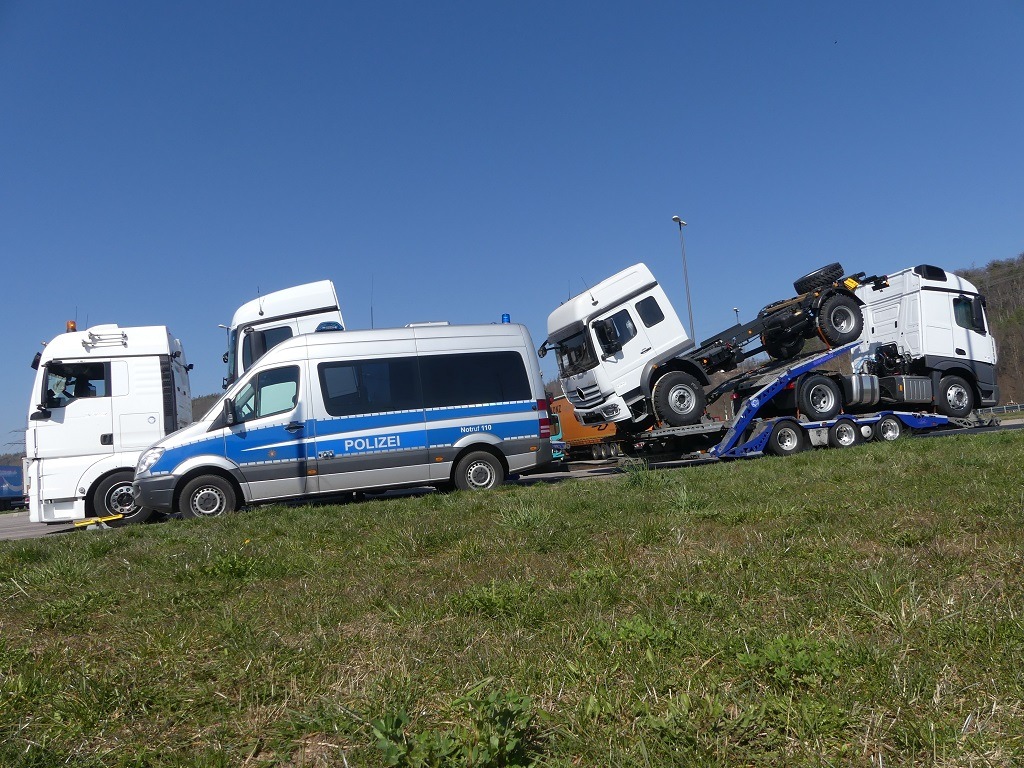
(955, 397)
(114, 496)
(819, 278)
(819, 397)
(887, 429)
(840, 319)
(679, 399)
(207, 496)
(843, 434)
(478, 471)
(786, 439)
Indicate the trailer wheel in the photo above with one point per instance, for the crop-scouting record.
(819, 397)
(786, 439)
(819, 278)
(679, 399)
(887, 429)
(840, 319)
(207, 496)
(595, 452)
(114, 497)
(478, 471)
(781, 349)
(843, 434)
(955, 398)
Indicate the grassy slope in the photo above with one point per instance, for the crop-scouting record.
(861, 607)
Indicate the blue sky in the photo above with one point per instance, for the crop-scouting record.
(164, 163)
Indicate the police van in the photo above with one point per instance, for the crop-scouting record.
(329, 412)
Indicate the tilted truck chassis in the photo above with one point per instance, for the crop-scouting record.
(748, 435)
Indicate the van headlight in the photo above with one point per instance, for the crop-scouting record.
(148, 459)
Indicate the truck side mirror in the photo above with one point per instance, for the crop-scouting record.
(978, 314)
(42, 413)
(608, 335)
(229, 411)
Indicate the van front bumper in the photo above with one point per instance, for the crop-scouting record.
(154, 492)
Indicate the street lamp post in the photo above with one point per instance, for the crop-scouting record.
(686, 276)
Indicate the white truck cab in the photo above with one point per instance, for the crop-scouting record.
(927, 329)
(265, 322)
(100, 398)
(608, 341)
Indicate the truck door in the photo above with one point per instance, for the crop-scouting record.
(624, 347)
(269, 441)
(970, 334)
(75, 426)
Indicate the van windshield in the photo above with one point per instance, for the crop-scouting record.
(575, 354)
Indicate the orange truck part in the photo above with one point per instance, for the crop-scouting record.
(598, 440)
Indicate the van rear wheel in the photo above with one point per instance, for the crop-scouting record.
(478, 471)
(207, 496)
(114, 497)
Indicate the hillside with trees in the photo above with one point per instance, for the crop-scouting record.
(1002, 284)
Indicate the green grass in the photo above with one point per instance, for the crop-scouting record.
(852, 608)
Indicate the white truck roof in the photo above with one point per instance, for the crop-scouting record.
(111, 340)
(308, 298)
(603, 295)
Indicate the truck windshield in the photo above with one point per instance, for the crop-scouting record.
(575, 354)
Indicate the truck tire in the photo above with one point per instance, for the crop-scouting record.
(679, 399)
(840, 319)
(819, 397)
(207, 496)
(478, 471)
(786, 439)
(843, 434)
(955, 397)
(887, 429)
(819, 278)
(114, 497)
(781, 349)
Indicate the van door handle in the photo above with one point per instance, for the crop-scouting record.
(294, 426)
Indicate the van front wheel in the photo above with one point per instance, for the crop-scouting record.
(207, 496)
(478, 471)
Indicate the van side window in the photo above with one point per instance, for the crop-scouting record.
(271, 392)
(71, 381)
(474, 378)
(355, 387)
(963, 313)
(649, 311)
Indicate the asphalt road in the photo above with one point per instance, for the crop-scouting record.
(16, 525)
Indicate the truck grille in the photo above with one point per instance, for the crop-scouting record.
(585, 397)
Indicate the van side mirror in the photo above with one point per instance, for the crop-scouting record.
(229, 411)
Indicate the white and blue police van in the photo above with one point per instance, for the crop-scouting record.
(326, 413)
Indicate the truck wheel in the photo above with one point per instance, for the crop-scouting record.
(955, 398)
(787, 438)
(114, 497)
(679, 399)
(782, 349)
(887, 429)
(819, 278)
(819, 397)
(207, 496)
(840, 319)
(478, 471)
(843, 434)
(595, 452)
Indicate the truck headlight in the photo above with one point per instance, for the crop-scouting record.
(148, 459)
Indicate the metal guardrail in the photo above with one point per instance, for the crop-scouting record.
(1014, 408)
